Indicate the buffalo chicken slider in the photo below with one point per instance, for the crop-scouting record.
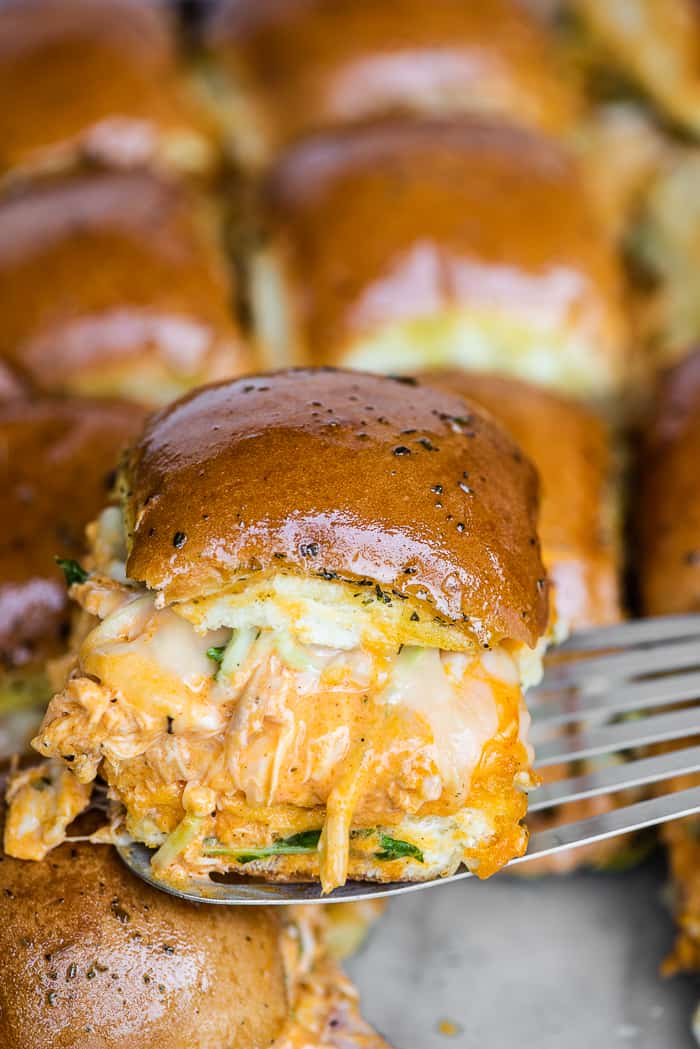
(283, 68)
(668, 516)
(114, 284)
(310, 665)
(96, 80)
(405, 246)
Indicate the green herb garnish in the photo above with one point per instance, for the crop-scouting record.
(73, 572)
(395, 849)
(304, 842)
(216, 652)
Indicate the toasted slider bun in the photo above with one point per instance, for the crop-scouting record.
(655, 44)
(668, 514)
(90, 956)
(339, 451)
(96, 80)
(114, 284)
(311, 664)
(579, 516)
(59, 465)
(400, 247)
(296, 66)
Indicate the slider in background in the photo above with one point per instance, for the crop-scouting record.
(115, 284)
(664, 244)
(641, 47)
(409, 245)
(315, 673)
(279, 69)
(91, 956)
(97, 80)
(668, 532)
(58, 468)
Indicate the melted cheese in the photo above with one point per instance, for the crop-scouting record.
(43, 801)
(289, 737)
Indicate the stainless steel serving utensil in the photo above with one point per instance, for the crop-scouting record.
(600, 698)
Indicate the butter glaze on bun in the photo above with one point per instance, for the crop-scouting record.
(340, 475)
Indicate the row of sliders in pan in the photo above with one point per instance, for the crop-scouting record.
(154, 390)
(448, 270)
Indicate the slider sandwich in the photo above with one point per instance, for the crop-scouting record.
(91, 958)
(279, 69)
(668, 533)
(314, 618)
(96, 81)
(114, 284)
(405, 246)
(647, 46)
(58, 469)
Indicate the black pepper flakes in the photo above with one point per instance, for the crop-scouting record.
(426, 443)
(692, 557)
(401, 449)
(465, 488)
(179, 540)
(309, 549)
(461, 526)
(437, 488)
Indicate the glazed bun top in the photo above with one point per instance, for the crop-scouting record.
(669, 514)
(377, 481)
(91, 958)
(59, 469)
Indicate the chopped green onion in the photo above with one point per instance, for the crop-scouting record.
(298, 844)
(216, 652)
(186, 830)
(237, 651)
(395, 849)
(74, 572)
(292, 654)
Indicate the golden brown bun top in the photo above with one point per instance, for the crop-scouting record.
(570, 447)
(334, 473)
(669, 514)
(107, 276)
(399, 220)
(97, 76)
(314, 64)
(92, 958)
(58, 467)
